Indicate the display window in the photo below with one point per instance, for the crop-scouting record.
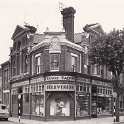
(59, 107)
(82, 107)
(37, 104)
(104, 105)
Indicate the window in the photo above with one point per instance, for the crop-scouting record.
(81, 88)
(37, 88)
(26, 64)
(37, 64)
(98, 69)
(13, 67)
(77, 88)
(54, 61)
(74, 62)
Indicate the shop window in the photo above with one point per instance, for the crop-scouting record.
(26, 98)
(60, 107)
(37, 88)
(104, 105)
(54, 61)
(37, 104)
(85, 88)
(77, 88)
(14, 99)
(26, 89)
(82, 106)
(81, 88)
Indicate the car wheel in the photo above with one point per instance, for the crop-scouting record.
(6, 119)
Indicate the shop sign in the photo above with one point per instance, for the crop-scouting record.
(96, 82)
(53, 78)
(60, 87)
(37, 80)
(20, 83)
(83, 80)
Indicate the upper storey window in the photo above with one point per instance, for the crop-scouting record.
(74, 62)
(54, 50)
(37, 63)
(54, 61)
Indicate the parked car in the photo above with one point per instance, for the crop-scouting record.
(4, 113)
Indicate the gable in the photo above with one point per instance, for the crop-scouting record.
(19, 30)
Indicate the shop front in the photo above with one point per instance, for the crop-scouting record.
(60, 101)
(82, 106)
(83, 93)
(101, 99)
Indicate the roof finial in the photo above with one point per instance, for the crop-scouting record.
(47, 29)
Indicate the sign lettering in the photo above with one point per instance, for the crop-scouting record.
(51, 78)
(60, 87)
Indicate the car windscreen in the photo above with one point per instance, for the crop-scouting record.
(3, 107)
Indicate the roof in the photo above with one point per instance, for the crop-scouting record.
(18, 31)
(5, 63)
(37, 38)
(81, 38)
(21, 29)
(77, 37)
(93, 28)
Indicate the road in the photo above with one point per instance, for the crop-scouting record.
(7, 122)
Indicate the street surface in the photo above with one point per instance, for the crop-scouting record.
(7, 122)
(107, 120)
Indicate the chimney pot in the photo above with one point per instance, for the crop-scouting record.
(68, 22)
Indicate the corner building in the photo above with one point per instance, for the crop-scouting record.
(48, 71)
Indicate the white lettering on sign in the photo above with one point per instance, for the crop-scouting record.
(80, 79)
(51, 78)
(60, 87)
(37, 80)
(96, 82)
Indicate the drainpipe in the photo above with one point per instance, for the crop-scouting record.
(75, 101)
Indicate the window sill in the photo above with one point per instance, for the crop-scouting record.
(53, 70)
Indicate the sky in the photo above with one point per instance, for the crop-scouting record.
(46, 13)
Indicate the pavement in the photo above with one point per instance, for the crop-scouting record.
(106, 120)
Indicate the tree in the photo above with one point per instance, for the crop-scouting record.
(108, 49)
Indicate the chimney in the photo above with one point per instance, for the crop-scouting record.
(68, 22)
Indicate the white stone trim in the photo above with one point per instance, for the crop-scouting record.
(75, 55)
(54, 51)
(6, 91)
(80, 62)
(63, 41)
(38, 55)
